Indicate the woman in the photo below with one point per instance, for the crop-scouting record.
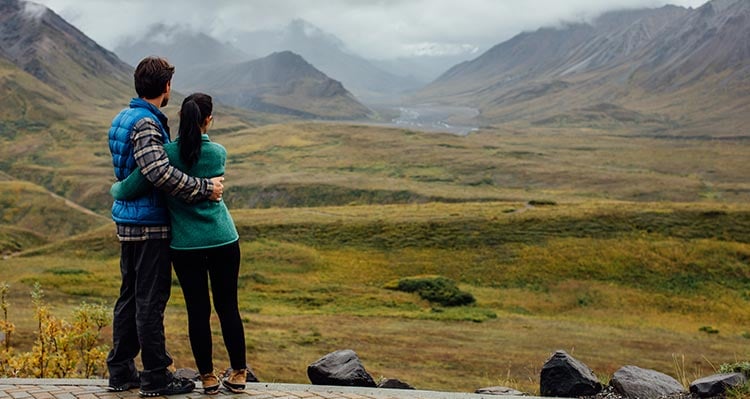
(205, 245)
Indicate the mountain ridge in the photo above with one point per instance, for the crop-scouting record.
(40, 42)
(688, 65)
(267, 84)
(328, 53)
(282, 82)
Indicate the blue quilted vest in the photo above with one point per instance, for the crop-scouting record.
(150, 209)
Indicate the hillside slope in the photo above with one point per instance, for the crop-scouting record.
(58, 93)
(58, 90)
(41, 43)
(31, 215)
(689, 68)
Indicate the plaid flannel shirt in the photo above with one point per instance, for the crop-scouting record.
(152, 159)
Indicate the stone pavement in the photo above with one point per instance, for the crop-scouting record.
(29, 388)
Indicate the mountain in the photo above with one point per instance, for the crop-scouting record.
(714, 39)
(182, 46)
(281, 83)
(58, 91)
(687, 68)
(38, 41)
(203, 63)
(328, 53)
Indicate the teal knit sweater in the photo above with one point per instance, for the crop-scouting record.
(205, 224)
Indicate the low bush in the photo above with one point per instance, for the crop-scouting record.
(436, 289)
(738, 367)
(61, 349)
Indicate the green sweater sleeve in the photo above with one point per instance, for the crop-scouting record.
(134, 186)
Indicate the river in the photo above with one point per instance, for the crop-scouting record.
(440, 118)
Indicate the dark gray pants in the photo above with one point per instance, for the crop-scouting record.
(138, 323)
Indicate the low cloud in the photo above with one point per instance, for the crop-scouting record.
(375, 29)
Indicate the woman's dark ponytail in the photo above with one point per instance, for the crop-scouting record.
(195, 109)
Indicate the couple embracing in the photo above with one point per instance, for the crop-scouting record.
(168, 210)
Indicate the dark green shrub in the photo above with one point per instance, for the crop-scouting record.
(708, 330)
(542, 203)
(67, 272)
(436, 289)
(739, 367)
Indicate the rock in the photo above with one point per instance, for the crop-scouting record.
(564, 376)
(250, 377)
(504, 391)
(636, 382)
(340, 368)
(188, 374)
(2, 336)
(393, 383)
(717, 384)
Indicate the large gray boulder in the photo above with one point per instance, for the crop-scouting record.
(717, 384)
(636, 382)
(340, 368)
(564, 376)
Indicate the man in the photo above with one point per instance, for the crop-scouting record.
(136, 138)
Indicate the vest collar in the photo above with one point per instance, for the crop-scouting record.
(141, 103)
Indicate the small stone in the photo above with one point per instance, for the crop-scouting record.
(564, 376)
(393, 383)
(501, 391)
(341, 368)
(717, 384)
(636, 382)
(188, 374)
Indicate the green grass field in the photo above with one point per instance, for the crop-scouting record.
(619, 247)
(613, 283)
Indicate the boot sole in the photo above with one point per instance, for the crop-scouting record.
(234, 389)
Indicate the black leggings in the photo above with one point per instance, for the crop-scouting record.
(193, 269)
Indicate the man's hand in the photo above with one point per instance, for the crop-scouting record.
(218, 188)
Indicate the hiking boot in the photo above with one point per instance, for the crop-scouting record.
(235, 380)
(210, 383)
(135, 382)
(175, 387)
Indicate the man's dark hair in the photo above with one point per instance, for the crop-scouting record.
(151, 77)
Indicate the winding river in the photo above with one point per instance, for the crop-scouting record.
(441, 118)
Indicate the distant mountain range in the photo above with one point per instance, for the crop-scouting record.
(328, 53)
(369, 80)
(279, 83)
(683, 67)
(181, 46)
(678, 69)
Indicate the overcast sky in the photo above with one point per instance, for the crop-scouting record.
(373, 28)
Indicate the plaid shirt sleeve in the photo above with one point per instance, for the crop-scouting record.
(152, 159)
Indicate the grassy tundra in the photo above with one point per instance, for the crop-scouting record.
(619, 248)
